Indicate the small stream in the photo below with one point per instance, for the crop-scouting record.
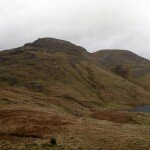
(145, 109)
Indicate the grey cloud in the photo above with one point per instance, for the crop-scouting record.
(93, 24)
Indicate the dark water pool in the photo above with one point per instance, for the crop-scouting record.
(145, 109)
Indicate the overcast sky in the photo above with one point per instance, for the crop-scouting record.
(93, 24)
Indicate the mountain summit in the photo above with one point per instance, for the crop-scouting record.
(53, 44)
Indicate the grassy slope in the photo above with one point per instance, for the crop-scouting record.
(131, 66)
(59, 74)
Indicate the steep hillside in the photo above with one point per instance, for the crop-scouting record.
(126, 64)
(61, 69)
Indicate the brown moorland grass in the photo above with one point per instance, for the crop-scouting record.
(113, 116)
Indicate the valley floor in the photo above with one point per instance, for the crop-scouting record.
(23, 128)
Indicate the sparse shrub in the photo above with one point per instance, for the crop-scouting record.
(53, 141)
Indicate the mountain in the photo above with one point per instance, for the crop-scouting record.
(52, 87)
(61, 69)
(126, 64)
